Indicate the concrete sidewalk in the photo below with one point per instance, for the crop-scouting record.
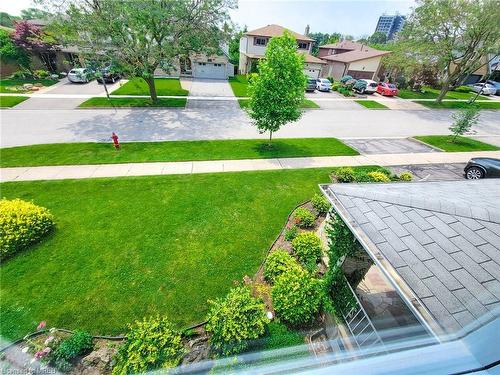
(217, 166)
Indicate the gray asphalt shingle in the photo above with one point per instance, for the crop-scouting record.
(442, 238)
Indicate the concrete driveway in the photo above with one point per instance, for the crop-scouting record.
(211, 88)
(432, 172)
(91, 88)
(388, 146)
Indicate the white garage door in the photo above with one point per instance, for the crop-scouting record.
(312, 73)
(210, 70)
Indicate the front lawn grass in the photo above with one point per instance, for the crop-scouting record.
(306, 104)
(239, 84)
(99, 102)
(164, 87)
(371, 104)
(444, 142)
(125, 248)
(104, 153)
(430, 93)
(9, 85)
(459, 105)
(11, 101)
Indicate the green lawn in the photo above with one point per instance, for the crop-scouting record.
(371, 104)
(104, 153)
(132, 102)
(458, 105)
(308, 104)
(239, 84)
(430, 93)
(445, 143)
(125, 248)
(11, 101)
(8, 85)
(164, 86)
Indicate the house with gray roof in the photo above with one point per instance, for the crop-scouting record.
(437, 243)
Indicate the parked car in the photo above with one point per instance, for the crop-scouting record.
(495, 84)
(478, 168)
(323, 84)
(81, 75)
(108, 75)
(367, 86)
(387, 89)
(484, 88)
(311, 85)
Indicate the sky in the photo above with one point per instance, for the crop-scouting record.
(354, 17)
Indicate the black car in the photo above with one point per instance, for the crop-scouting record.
(478, 168)
(311, 85)
(108, 75)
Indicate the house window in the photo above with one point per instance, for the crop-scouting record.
(202, 64)
(303, 45)
(259, 41)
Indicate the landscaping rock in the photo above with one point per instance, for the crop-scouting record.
(28, 86)
(199, 350)
(35, 88)
(38, 84)
(98, 362)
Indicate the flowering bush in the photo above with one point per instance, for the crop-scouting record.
(297, 296)
(406, 176)
(235, 319)
(344, 174)
(307, 248)
(304, 218)
(378, 177)
(277, 262)
(151, 343)
(320, 203)
(21, 224)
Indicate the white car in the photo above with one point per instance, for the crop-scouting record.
(81, 75)
(322, 84)
(486, 88)
(371, 86)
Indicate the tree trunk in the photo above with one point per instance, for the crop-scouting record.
(152, 88)
(270, 137)
(444, 89)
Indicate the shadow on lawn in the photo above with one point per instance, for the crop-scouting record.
(277, 148)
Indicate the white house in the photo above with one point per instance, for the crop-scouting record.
(253, 47)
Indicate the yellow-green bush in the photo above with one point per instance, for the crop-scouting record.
(406, 176)
(21, 224)
(378, 177)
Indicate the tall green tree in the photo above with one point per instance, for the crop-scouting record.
(10, 53)
(455, 35)
(34, 13)
(321, 39)
(276, 94)
(234, 46)
(377, 38)
(144, 35)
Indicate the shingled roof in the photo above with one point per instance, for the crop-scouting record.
(438, 243)
(276, 30)
(351, 56)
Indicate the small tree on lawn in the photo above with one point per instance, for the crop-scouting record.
(464, 120)
(278, 91)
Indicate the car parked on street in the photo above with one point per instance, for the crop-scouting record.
(495, 84)
(478, 168)
(365, 86)
(81, 75)
(484, 88)
(108, 75)
(323, 84)
(387, 89)
(311, 85)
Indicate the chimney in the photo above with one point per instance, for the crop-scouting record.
(307, 31)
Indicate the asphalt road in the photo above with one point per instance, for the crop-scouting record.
(25, 127)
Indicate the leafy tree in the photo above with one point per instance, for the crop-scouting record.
(278, 91)
(34, 13)
(464, 120)
(9, 52)
(378, 38)
(321, 39)
(234, 46)
(7, 20)
(144, 35)
(456, 35)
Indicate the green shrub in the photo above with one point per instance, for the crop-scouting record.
(280, 336)
(320, 203)
(377, 176)
(406, 176)
(344, 174)
(343, 300)
(277, 262)
(151, 343)
(331, 79)
(465, 89)
(346, 79)
(21, 74)
(335, 86)
(21, 224)
(41, 74)
(297, 296)
(345, 91)
(291, 232)
(307, 247)
(341, 241)
(304, 218)
(78, 343)
(234, 320)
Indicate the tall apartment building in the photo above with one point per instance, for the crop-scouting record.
(389, 25)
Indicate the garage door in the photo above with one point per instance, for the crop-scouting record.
(360, 74)
(210, 70)
(312, 73)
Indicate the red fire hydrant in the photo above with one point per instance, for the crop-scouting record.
(114, 137)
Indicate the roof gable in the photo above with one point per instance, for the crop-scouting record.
(351, 56)
(276, 30)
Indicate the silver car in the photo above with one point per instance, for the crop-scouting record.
(323, 84)
(484, 88)
(81, 75)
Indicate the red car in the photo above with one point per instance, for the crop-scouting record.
(387, 89)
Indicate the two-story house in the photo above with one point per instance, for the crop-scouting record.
(350, 58)
(253, 48)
